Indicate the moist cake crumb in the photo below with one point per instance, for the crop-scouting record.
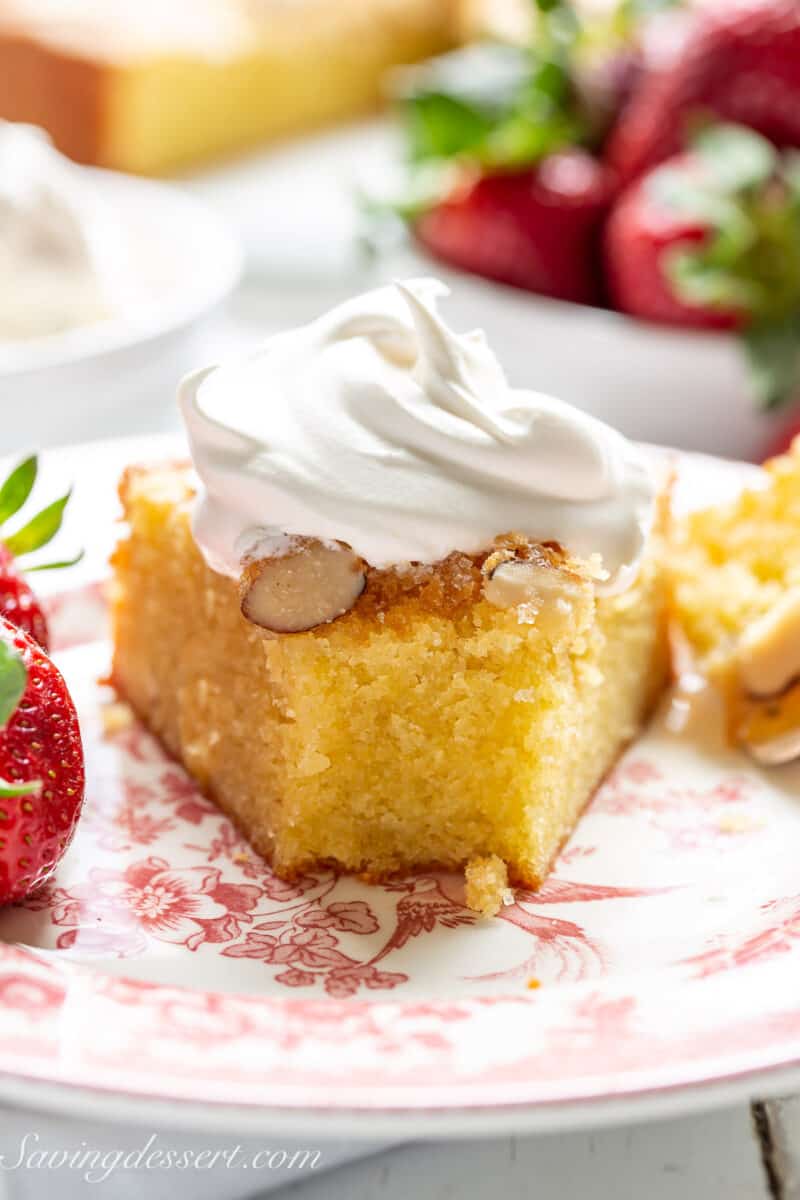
(395, 738)
(487, 887)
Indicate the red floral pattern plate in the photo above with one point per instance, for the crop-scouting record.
(165, 961)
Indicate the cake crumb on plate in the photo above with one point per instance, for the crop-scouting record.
(487, 887)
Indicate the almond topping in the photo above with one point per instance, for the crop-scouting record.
(310, 584)
(547, 593)
(768, 654)
(769, 729)
(778, 752)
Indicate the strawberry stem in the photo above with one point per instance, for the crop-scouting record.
(13, 681)
(40, 530)
(55, 566)
(30, 787)
(17, 488)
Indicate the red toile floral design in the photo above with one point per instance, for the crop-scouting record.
(663, 948)
(186, 905)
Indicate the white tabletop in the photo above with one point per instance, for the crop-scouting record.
(713, 1157)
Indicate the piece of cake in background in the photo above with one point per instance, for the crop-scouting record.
(411, 616)
(157, 84)
(736, 572)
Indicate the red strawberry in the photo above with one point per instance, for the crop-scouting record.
(781, 444)
(711, 239)
(740, 61)
(642, 236)
(18, 601)
(536, 229)
(41, 765)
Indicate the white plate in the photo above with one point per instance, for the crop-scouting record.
(97, 379)
(167, 971)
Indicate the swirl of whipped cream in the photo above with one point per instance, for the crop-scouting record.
(378, 426)
(59, 248)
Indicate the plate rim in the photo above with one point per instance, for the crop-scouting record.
(223, 266)
(113, 1105)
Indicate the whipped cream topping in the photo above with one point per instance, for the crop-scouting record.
(60, 253)
(378, 426)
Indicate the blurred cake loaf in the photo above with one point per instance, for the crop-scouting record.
(149, 85)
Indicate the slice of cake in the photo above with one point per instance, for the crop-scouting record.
(150, 85)
(736, 573)
(409, 617)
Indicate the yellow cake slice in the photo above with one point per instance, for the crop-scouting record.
(151, 85)
(424, 727)
(736, 577)
(406, 614)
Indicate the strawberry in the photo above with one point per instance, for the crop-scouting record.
(711, 239)
(500, 179)
(41, 765)
(536, 229)
(18, 602)
(740, 61)
(781, 444)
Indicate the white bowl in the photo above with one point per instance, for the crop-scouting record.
(119, 375)
(679, 388)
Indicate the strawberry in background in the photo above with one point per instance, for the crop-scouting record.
(18, 602)
(41, 765)
(738, 62)
(535, 229)
(711, 240)
(500, 178)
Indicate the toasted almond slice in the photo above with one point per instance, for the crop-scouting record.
(311, 584)
(769, 729)
(768, 654)
(778, 752)
(548, 592)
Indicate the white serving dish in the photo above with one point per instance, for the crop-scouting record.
(119, 375)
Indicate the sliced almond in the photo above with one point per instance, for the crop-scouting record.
(549, 594)
(778, 752)
(769, 729)
(310, 584)
(768, 654)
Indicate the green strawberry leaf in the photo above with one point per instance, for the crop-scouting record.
(706, 280)
(29, 788)
(17, 488)
(440, 126)
(40, 530)
(773, 354)
(58, 565)
(745, 204)
(737, 158)
(13, 681)
(498, 106)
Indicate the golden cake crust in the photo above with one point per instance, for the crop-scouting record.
(450, 730)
